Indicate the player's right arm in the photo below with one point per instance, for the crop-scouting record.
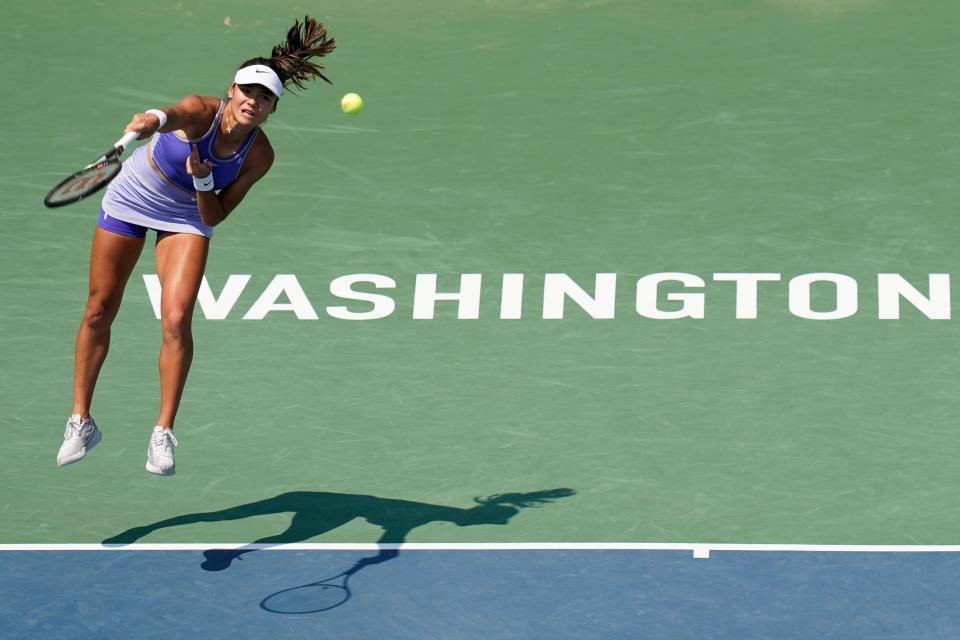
(192, 115)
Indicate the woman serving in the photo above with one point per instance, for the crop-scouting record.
(205, 155)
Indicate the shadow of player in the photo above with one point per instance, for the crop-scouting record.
(317, 512)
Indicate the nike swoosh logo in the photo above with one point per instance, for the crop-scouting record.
(261, 71)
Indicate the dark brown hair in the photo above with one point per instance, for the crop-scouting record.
(291, 58)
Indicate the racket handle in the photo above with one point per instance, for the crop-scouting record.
(127, 138)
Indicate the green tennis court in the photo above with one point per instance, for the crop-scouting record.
(506, 274)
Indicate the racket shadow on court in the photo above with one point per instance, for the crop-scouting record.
(317, 512)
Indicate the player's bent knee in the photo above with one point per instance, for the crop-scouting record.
(177, 326)
(99, 315)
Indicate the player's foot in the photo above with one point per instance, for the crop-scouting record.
(160, 452)
(79, 437)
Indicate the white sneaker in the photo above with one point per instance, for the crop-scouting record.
(160, 452)
(78, 439)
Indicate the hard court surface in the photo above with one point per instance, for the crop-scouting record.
(587, 145)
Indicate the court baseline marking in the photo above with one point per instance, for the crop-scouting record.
(699, 550)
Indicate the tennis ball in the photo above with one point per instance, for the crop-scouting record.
(351, 104)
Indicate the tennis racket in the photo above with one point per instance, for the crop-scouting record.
(92, 177)
(314, 597)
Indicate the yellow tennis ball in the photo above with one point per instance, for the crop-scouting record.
(351, 104)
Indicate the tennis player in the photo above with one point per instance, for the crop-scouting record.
(205, 155)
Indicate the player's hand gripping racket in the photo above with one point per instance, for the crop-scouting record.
(314, 597)
(92, 177)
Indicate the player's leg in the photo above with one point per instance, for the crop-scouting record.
(112, 259)
(181, 259)
(113, 256)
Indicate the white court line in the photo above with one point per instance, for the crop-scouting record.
(699, 550)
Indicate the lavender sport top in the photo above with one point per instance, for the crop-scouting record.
(169, 202)
(170, 154)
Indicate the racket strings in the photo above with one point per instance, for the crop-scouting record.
(83, 183)
(87, 181)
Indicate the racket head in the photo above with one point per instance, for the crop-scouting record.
(86, 182)
(308, 598)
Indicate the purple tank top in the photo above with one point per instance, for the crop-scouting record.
(170, 154)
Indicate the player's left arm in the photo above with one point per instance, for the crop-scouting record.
(215, 207)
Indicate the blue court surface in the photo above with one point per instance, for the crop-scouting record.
(485, 594)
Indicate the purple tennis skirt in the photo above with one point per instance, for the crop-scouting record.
(139, 199)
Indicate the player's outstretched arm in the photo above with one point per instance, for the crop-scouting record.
(191, 114)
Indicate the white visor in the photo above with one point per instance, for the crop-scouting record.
(260, 74)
